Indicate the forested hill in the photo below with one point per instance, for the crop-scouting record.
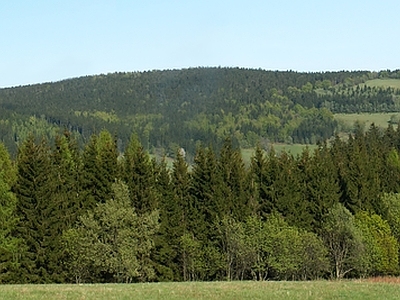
(184, 107)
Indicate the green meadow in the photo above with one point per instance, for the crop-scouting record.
(355, 289)
(393, 83)
(379, 119)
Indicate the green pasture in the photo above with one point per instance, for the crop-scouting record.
(379, 119)
(355, 289)
(393, 83)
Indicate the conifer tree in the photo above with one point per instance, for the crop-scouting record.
(205, 191)
(289, 191)
(140, 175)
(179, 211)
(37, 211)
(233, 183)
(256, 184)
(100, 169)
(92, 187)
(10, 246)
(164, 254)
(268, 192)
(67, 168)
(321, 185)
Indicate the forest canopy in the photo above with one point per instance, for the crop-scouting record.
(186, 107)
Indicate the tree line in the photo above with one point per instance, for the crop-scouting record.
(191, 106)
(99, 215)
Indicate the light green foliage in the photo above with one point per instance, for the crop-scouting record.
(33, 125)
(381, 247)
(314, 257)
(343, 240)
(235, 252)
(270, 249)
(284, 246)
(257, 254)
(112, 238)
(193, 260)
(392, 211)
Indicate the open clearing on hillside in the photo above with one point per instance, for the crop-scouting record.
(393, 83)
(379, 119)
(355, 289)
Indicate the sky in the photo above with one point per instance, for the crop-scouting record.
(44, 41)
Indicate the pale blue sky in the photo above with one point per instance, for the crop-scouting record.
(53, 40)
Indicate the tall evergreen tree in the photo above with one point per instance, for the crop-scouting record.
(67, 167)
(140, 175)
(233, 183)
(205, 192)
(321, 185)
(100, 169)
(37, 212)
(255, 180)
(164, 254)
(289, 190)
(10, 246)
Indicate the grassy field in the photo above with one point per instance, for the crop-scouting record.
(380, 119)
(393, 83)
(356, 289)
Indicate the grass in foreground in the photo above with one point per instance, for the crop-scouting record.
(355, 289)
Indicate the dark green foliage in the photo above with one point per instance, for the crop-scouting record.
(10, 246)
(320, 184)
(166, 241)
(39, 219)
(206, 198)
(139, 173)
(183, 107)
(282, 217)
(233, 182)
(66, 169)
(100, 169)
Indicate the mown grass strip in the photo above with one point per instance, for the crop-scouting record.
(355, 289)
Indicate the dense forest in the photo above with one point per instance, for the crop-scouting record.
(98, 215)
(182, 108)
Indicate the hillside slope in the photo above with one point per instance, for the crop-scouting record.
(184, 107)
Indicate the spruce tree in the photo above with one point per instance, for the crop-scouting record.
(164, 256)
(321, 185)
(289, 190)
(10, 246)
(64, 181)
(139, 173)
(179, 210)
(206, 203)
(37, 212)
(100, 169)
(233, 175)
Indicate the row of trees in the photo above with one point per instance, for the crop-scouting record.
(104, 216)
